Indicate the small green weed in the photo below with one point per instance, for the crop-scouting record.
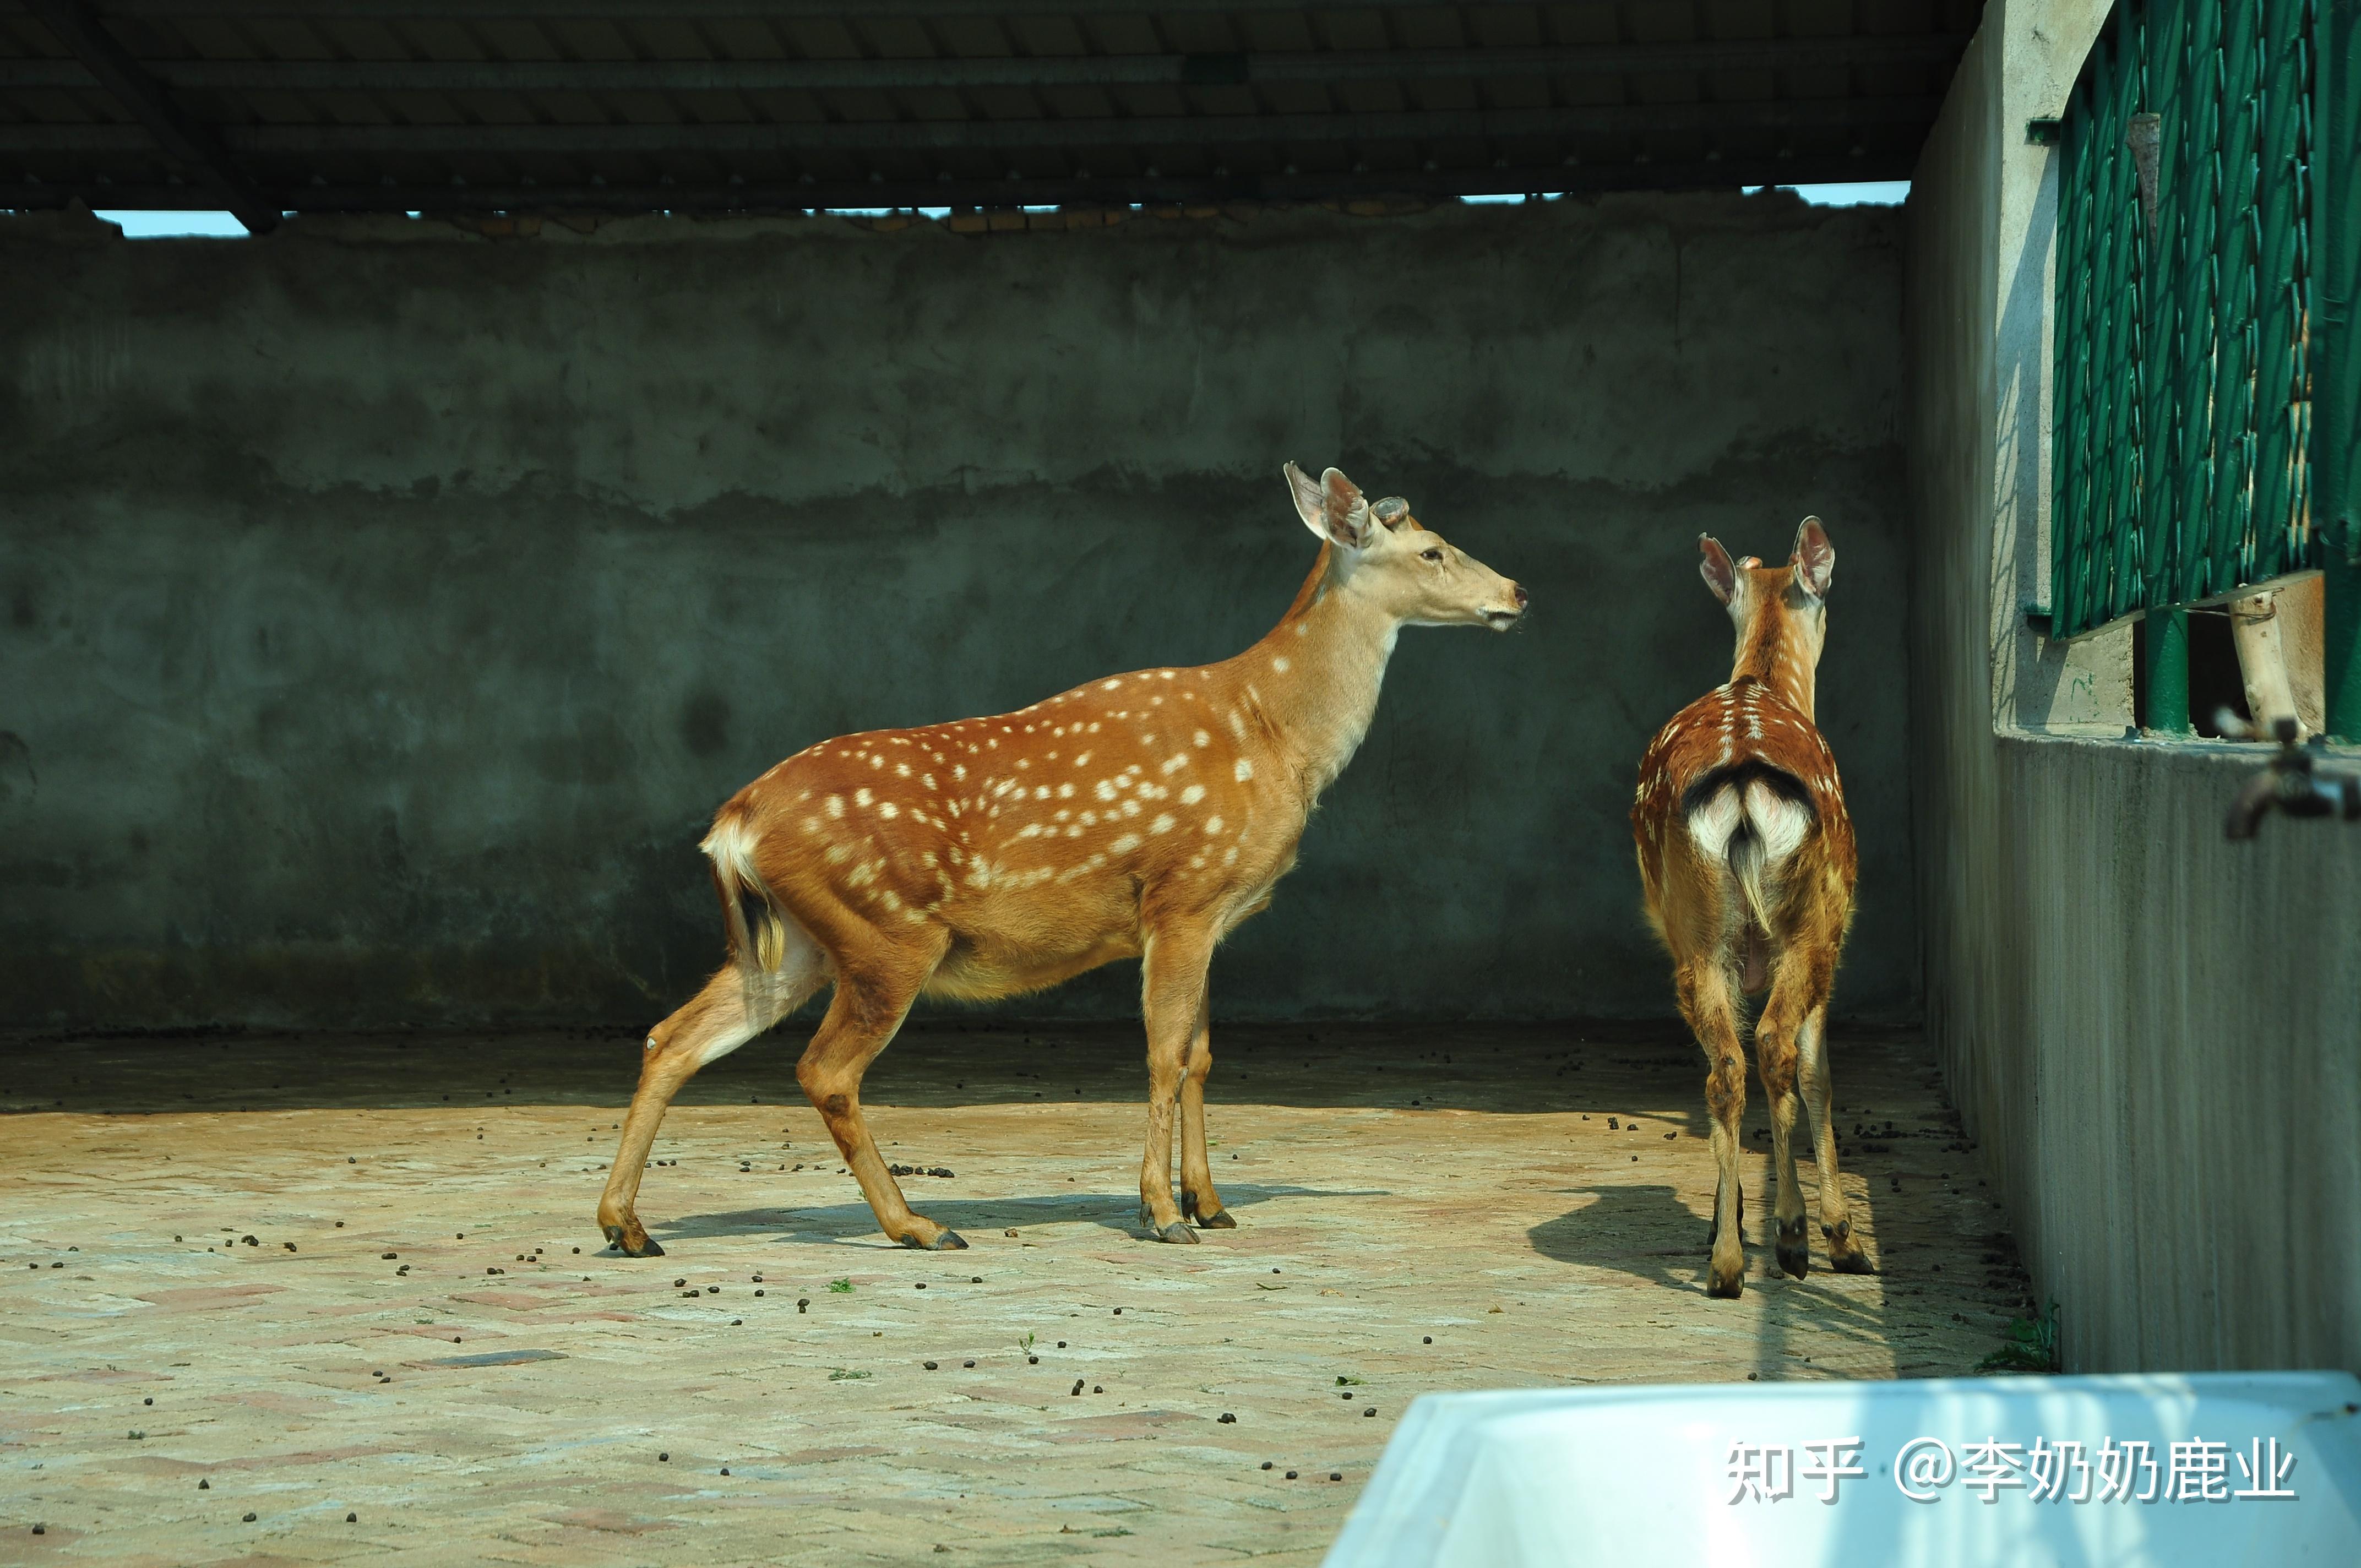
(2030, 1345)
(842, 1286)
(840, 1375)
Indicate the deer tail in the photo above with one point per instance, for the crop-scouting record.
(758, 940)
(1746, 855)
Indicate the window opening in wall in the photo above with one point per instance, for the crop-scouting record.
(2188, 352)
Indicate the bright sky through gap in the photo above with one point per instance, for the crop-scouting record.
(166, 226)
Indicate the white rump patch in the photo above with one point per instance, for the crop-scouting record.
(1713, 821)
(1782, 822)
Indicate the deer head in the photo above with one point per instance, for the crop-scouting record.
(1780, 612)
(1385, 559)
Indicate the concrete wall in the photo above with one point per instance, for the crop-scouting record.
(2155, 1033)
(389, 608)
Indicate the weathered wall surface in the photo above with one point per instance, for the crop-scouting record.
(387, 608)
(2156, 1034)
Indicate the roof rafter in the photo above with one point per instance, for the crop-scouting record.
(953, 136)
(1026, 71)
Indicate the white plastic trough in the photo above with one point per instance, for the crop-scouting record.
(1638, 1475)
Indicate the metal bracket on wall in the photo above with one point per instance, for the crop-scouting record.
(2042, 133)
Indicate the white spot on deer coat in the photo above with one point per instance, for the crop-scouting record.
(1243, 771)
(1192, 795)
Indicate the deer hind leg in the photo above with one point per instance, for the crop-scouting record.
(729, 1010)
(1709, 1003)
(1845, 1255)
(1172, 1000)
(863, 1018)
(1775, 1052)
(1200, 1204)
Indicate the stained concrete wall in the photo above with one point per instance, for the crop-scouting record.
(390, 607)
(2155, 1034)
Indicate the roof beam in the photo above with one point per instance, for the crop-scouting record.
(957, 136)
(1439, 184)
(191, 145)
(780, 10)
(1030, 70)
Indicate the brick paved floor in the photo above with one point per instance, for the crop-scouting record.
(205, 1222)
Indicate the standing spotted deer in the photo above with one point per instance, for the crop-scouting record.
(1142, 816)
(1746, 856)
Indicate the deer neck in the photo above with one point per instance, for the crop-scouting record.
(1314, 681)
(1775, 650)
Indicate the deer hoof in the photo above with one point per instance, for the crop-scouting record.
(1725, 1287)
(950, 1241)
(1854, 1261)
(1795, 1256)
(631, 1241)
(1176, 1231)
(1219, 1220)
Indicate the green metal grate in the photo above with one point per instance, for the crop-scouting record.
(2182, 437)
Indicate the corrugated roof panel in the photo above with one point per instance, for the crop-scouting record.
(666, 100)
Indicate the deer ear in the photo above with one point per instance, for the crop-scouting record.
(1715, 568)
(1814, 559)
(1332, 509)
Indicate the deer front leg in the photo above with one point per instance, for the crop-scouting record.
(1199, 1203)
(1845, 1255)
(1172, 1000)
(718, 1019)
(1711, 1010)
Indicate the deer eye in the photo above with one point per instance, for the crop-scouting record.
(1434, 555)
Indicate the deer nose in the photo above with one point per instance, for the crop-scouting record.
(1523, 598)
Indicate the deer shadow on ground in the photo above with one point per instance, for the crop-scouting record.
(1650, 1233)
(835, 1222)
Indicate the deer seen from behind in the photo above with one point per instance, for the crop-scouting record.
(1747, 858)
(1141, 815)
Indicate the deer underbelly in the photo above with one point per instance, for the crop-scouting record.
(986, 969)
(1754, 960)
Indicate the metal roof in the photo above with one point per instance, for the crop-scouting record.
(266, 106)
